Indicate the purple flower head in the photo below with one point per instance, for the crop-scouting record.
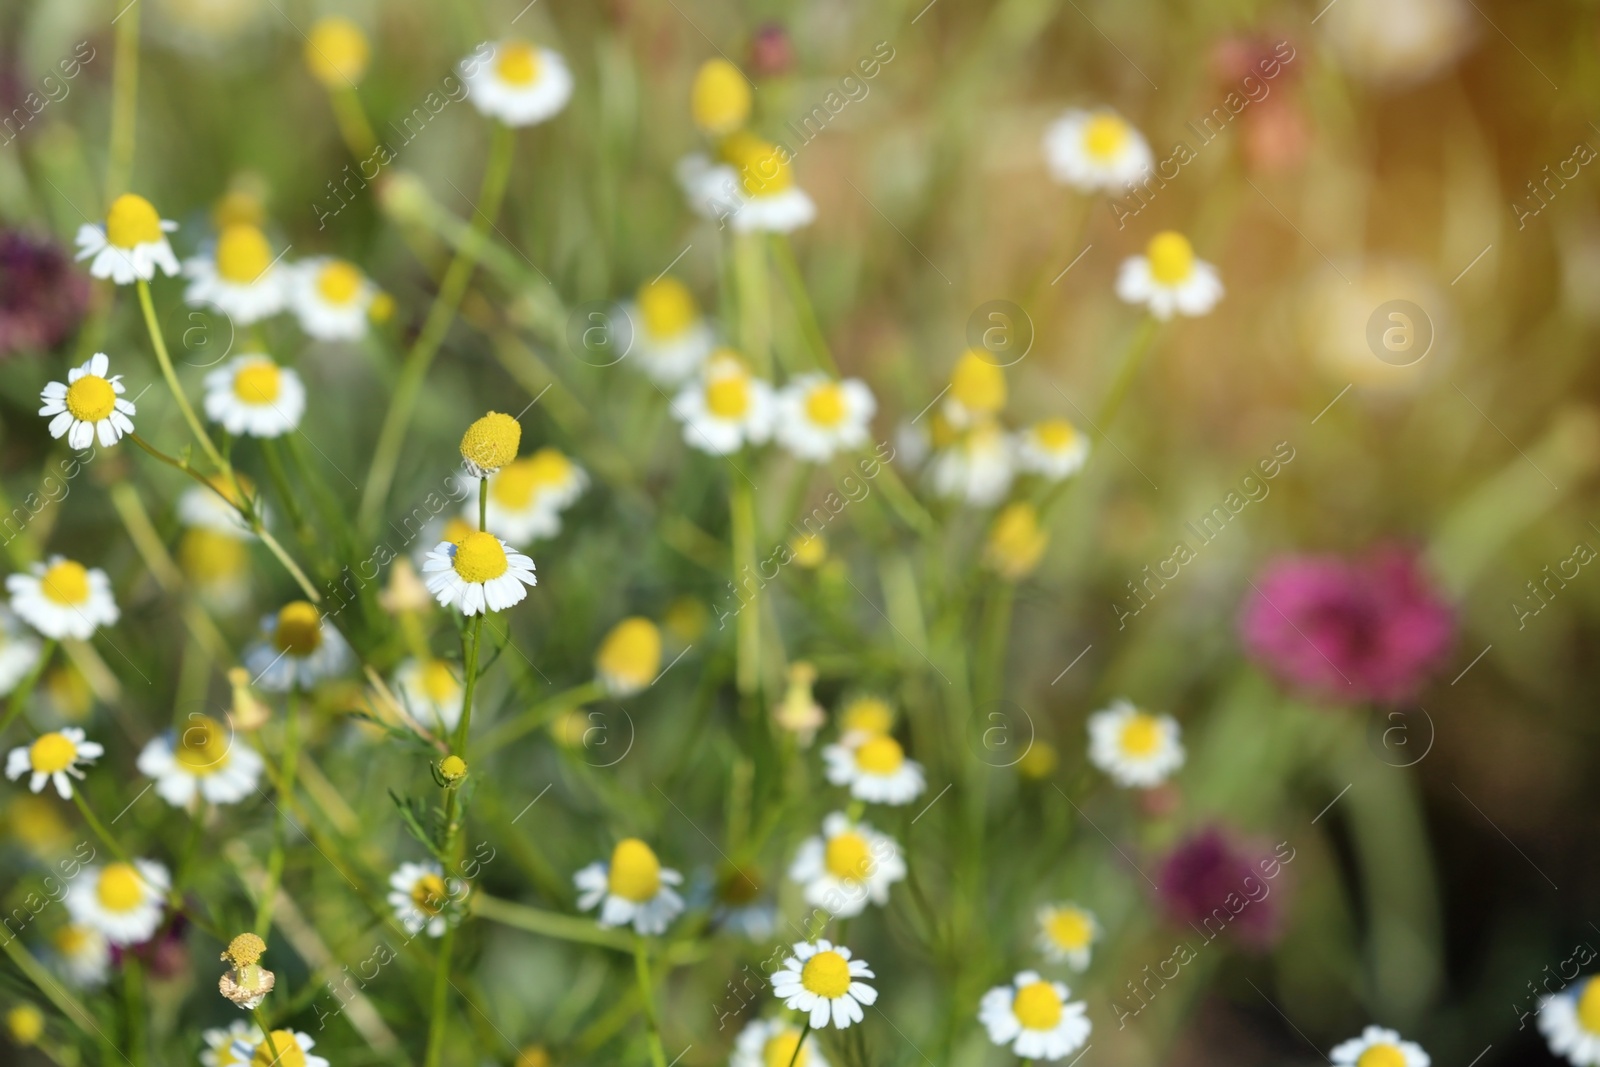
(1214, 886)
(41, 297)
(1369, 629)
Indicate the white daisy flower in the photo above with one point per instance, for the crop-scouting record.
(19, 651)
(518, 83)
(219, 1045)
(202, 757)
(977, 467)
(1570, 1022)
(422, 898)
(850, 865)
(1136, 748)
(298, 649)
(432, 692)
(772, 1043)
(209, 509)
(1035, 1018)
(1169, 278)
(331, 298)
(527, 496)
(750, 185)
(726, 409)
(81, 954)
(670, 338)
(1095, 150)
(1052, 448)
(54, 758)
(130, 244)
(122, 900)
(293, 1048)
(824, 982)
(1379, 1047)
(240, 278)
(632, 888)
(63, 598)
(1066, 934)
(252, 396)
(88, 405)
(817, 416)
(478, 575)
(875, 768)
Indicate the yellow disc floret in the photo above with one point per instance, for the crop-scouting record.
(1037, 1007)
(1016, 541)
(728, 396)
(827, 974)
(121, 887)
(299, 628)
(517, 63)
(428, 894)
(338, 282)
(66, 583)
(491, 442)
(880, 755)
(91, 398)
(630, 653)
(977, 384)
(720, 97)
(635, 872)
(825, 404)
(258, 382)
(211, 556)
(867, 715)
(337, 52)
(439, 681)
(453, 768)
(779, 1051)
(849, 857)
(1055, 435)
(245, 950)
(202, 746)
(51, 753)
(1070, 928)
(1384, 1055)
(480, 558)
(243, 254)
(1104, 136)
(667, 307)
(1171, 257)
(1141, 734)
(289, 1052)
(132, 221)
(1589, 1007)
(764, 168)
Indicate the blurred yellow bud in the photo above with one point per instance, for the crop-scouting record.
(685, 619)
(26, 1024)
(1016, 542)
(977, 385)
(1039, 762)
(248, 712)
(491, 443)
(720, 97)
(810, 550)
(629, 657)
(337, 52)
(381, 309)
(452, 768)
(867, 715)
(799, 713)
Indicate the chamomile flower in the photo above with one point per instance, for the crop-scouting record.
(1053, 448)
(432, 692)
(81, 954)
(822, 980)
(331, 298)
(1095, 150)
(977, 467)
(1136, 748)
(773, 1043)
(727, 409)
(53, 758)
(875, 768)
(1379, 1047)
(1067, 933)
(671, 339)
(719, 99)
(88, 405)
(422, 897)
(201, 757)
(527, 496)
(1570, 1022)
(633, 888)
(121, 900)
(218, 565)
(977, 390)
(489, 444)
(740, 907)
(516, 82)
(63, 598)
(749, 185)
(210, 509)
(130, 244)
(298, 649)
(19, 651)
(251, 396)
(219, 1044)
(240, 278)
(817, 416)
(629, 656)
(478, 575)
(1035, 1018)
(847, 867)
(1169, 278)
(293, 1050)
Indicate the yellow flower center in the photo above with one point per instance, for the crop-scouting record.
(1016, 542)
(132, 221)
(1589, 1007)
(635, 871)
(809, 550)
(1104, 136)
(825, 404)
(439, 681)
(978, 385)
(518, 484)
(338, 282)
(429, 893)
(479, 557)
(1382, 1056)
(211, 556)
(631, 651)
(71, 939)
(202, 746)
(245, 949)
(827, 974)
(337, 52)
(299, 629)
(779, 1051)
(517, 63)
(453, 768)
(26, 1023)
(763, 170)
(720, 97)
(868, 715)
(257, 383)
(1037, 1007)
(1171, 257)
(1055, 435)
(1141, 734)
(51, 753)
(457, 530)
(290, 1053)
(728, 396)
(243, 254)
(121, 888)
(880, 755)
(91, 398)
(492, 441)
(849, 857)
(66, 583)
(1070, 928)
(667, 307)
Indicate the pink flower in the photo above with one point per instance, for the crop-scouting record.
(1369, 629)
(1213, 885)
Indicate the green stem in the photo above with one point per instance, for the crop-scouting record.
(275, 860)
(742, 516)
(266, 1031)
(386, 456)
(472, 641)
(26, 686)
(133, 1005)
(804, 310)
(171, 376)
(647, 1001)
(98, 827)
(755, 301)
(805, 1032)
(124, 103)
(441, 996)
(483, 503)
(1127, 371)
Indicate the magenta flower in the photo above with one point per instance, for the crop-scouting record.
(1215, 886)
(42, 298)
(1347, 630)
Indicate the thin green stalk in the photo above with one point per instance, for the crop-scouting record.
(1127, 371)
(441, 996)
(647, 1001)
(98, 827)
(994, 627)
(197, 825)
(742, 515)
(275, 860)
(20, 694)
(171, 376)
(805, 1031)
(472, 641)
(124, 102)
(352, 120)
(266, 1031)
(483, 503)
(133, 1006)
(804, 310)
(755, 301)
(386, 456)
